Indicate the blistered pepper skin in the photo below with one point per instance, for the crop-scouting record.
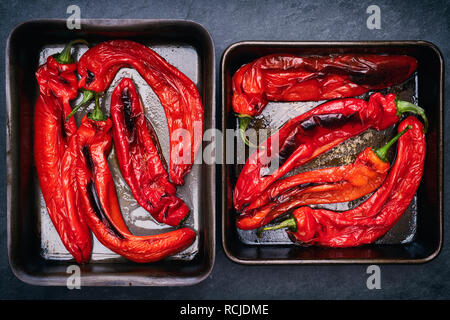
(309, 135)
(374, 217)
(57, 86)
(176, 92)
(286, 77)
(139, 157)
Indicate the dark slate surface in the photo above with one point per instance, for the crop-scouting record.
(230, 22)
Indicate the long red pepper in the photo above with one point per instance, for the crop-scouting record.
(311, 134)
(97, 197)
(177, 93)
(378, 214)
(329, 185)
(57, 86)
(286, 77)
(140, 159)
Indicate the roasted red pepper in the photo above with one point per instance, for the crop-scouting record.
(57, 86)
(177, 93)
(96, 196)
(140, 159)
(373, 218)
(329, 185)
(311, 134)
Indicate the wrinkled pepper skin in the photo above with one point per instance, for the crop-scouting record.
(309, 135)
(177, 93)
(26, 142)
(378, 214)
(329, 185)
(57, 86)
(98, 200)
(140, 159)
(286, 77)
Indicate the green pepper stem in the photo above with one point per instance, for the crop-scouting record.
(382, 152)
(243, 124)
(87, 97)
(65, 56)
(97, 113)
(288, 223)
(405, 106)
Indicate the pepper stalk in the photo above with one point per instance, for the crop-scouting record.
(244, 121)
(289, 223)
(405, 106)
(97, 113)
(87, 97)
(382, 152)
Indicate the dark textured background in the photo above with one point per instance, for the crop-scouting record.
(229, 22)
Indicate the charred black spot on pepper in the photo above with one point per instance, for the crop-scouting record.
(99, 212)
(90, 77)
(88, 157)
(126, 101)
(63, 80)
(329, 121)
(63, 126)
(288, 147)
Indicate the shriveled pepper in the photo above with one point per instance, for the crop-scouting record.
(140, 158)
(329, 185)
(176, 92)
(378, 214)
(52, 134)
(98, 200)
(313, 133)
(286, 77)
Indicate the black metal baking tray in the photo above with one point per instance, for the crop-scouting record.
(417, 236)
(36, 254)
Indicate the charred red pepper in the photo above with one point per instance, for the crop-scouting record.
(140, 158)
(373, 218)
(286, 77)
(177, 93)
(52, 134)
(329, 185)
(311, 134)
(96, 196)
